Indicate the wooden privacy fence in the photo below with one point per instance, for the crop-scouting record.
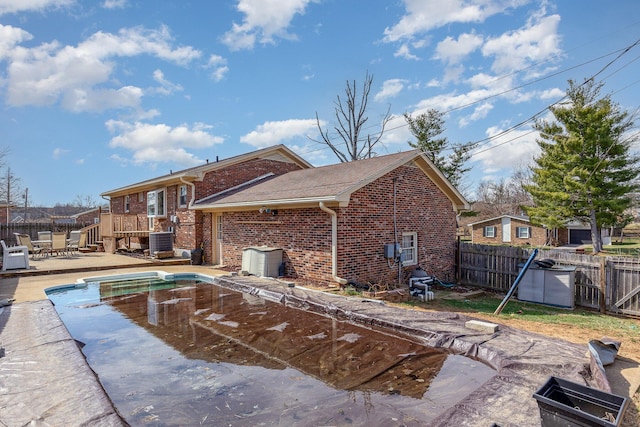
(607, 283)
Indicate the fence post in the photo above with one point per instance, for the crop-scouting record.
(603, 285)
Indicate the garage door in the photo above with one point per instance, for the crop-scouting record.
(579, 237)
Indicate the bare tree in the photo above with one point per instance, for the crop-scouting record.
(504, 197)
(351, 116)
(84, 201)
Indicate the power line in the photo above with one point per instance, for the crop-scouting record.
(621, 52)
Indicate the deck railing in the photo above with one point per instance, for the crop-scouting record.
(93, 234)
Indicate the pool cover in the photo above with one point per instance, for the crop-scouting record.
(523, 361)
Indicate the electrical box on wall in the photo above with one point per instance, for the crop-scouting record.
(392, 250)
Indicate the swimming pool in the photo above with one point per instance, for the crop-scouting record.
(182, 350)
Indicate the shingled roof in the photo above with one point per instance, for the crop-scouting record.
(277, 152)
(331, 184)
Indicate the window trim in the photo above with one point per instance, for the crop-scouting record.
(182, 199)
(527, 231)
(127, 203)
(158, 200)
(489, 231)
(412, 250)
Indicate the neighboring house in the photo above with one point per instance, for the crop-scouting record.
(333, 222)
(518, 230)
(163, 204)
(576, 233)
(509, 229)
(88, 217)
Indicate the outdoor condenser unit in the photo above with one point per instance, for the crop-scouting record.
(261, 260)
(160, 242)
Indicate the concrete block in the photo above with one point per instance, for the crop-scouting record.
(481, 326)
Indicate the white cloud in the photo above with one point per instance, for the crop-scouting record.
(397, 133)
(264, 21)
(161, 143)
(166, 87)
(452, 51)
(553, 94)
(58, 152)
(79, 77)
(404, 52)
(537, 41)
(10, 37)
(271, 133)
(13, 6)
(424, 15)
(115, 4)
(503, 151)
(480, 112)
(219, 66)
(390, 88)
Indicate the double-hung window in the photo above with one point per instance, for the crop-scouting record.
(489, 231)
(156, 203)
(523, 232)
(409, 247)
(126, 203)
(182, 196)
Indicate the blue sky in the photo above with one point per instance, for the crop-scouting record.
(100, 94)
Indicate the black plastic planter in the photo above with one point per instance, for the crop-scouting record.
(563, 403)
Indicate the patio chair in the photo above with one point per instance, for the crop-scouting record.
(74, 241)
(14, 257)
(25, 240)
(59, 243)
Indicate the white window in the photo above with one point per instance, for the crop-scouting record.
(126, 203)
(182, 201)
(409, 246)
(219, 227)
(489, 231)
(523, 232)
(156, 203)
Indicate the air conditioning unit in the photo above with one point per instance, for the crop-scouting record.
(160, 242)
(261, 260)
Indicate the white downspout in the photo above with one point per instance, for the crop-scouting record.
(334, 244)
(193, 191)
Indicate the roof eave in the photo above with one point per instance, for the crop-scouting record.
(275, 203)
(198, 172)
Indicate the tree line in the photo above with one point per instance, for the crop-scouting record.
(586, 170)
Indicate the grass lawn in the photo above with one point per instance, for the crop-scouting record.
(486, 303)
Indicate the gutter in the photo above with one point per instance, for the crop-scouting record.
(193, 191)
(334, 244)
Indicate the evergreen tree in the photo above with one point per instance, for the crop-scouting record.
(427, 128)
(585, 171)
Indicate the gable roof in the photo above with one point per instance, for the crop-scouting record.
(276, 152)
(331, 184)
(519, 218)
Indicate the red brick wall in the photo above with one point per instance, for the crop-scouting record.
(367, 224)
(229, 177)
(303, 234)
(363, 229)
(538, 234)
(190, 229)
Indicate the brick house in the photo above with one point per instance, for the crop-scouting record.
(163, 204)
(333, 222)
(508, 229)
